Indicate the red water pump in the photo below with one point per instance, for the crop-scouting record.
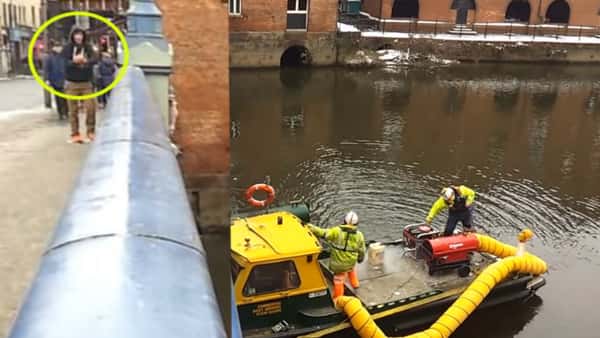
(450, 252)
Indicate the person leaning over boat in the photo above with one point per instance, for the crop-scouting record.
(347, 248)
(460, 201)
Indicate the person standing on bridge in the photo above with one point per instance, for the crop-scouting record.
(54, 75)
(106, 75)
(347, 248)
(460, 201)
(80, 59)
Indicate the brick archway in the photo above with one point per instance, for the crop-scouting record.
(518, 10)
(558, 11)
(296, 56)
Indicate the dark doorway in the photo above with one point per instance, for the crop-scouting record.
(518, 10)
(405, 9)
(462, 8)
(558, 12)
(296, 56)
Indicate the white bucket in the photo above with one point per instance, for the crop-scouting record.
(376, 253)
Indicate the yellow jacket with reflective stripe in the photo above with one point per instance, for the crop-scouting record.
(347, 246)
(440, 204)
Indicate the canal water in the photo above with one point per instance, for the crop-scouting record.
(384, 142)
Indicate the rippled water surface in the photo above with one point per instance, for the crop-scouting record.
(526, 138)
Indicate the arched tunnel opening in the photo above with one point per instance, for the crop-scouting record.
(405, 9)
(558, 12)
(518, 10)
(296, 56)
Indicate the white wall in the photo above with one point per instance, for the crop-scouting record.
(24, 13)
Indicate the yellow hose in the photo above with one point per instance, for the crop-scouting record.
(468, 301)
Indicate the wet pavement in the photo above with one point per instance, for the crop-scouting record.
(383, 143)
(38, 169)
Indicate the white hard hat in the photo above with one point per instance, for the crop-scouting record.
(448, 194)
(351, 218)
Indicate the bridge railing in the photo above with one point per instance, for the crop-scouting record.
(125, 259)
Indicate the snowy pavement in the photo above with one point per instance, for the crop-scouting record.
(38, 169)
(20, 96)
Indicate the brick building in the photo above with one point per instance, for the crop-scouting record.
(111, 9)
(271, 33)
(18, 20)
(535, 12)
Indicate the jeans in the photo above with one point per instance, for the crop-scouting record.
(61, 104)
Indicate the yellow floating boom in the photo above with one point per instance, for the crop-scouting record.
(514, 260)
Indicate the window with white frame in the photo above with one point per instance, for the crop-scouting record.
(297, 14)
(235, 7)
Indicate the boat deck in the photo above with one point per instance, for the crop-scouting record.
(402, 276)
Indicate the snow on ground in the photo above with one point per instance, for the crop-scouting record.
(342, 27)
(392, 54)
(488, 38)
(476, 37)
(393, 57)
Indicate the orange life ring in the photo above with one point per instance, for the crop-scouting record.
(257, 203)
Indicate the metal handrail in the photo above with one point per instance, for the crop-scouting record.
(126, 259)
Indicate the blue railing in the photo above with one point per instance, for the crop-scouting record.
(125, 259)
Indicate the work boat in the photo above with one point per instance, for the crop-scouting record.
(283, 286)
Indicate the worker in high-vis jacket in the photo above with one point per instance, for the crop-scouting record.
(460, 202)
(347, 248)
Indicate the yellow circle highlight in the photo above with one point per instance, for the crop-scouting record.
(100, 18)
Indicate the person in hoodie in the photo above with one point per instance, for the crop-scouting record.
(80, 59)
(54, 75)
(106, 75)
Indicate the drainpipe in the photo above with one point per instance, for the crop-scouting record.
(539, 12)
(381, 13)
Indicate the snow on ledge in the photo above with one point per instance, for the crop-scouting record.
(342, 27)
(488, 38)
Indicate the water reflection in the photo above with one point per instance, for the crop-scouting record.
(339, 124)
(506, 97)
(384, 143)
(543, 97)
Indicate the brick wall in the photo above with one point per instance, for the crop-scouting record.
(264, 49)
(271, 16)
(199, 33)
(372, 7)
(322, 16)
(583, 12)
(260, 16)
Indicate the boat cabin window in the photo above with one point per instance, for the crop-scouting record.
(235, 270)
(273, 277)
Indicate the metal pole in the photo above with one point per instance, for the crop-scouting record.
(510, 31)
(381, 16)
(485, 29)
(435, 27)
(44, 18)
(579, 35)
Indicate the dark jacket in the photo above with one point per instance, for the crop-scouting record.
(76, 72)
(106, 70)
(54, 70)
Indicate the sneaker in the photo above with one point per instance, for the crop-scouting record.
(76, 139)
(91, 135)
